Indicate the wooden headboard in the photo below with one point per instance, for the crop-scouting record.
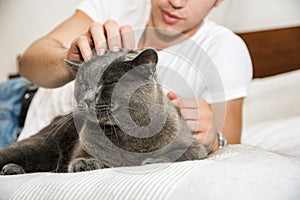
(273, 51)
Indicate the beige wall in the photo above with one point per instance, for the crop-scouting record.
(23, 21)
(255, 15)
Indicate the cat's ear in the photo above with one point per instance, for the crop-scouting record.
(74, 64)
(148, 57)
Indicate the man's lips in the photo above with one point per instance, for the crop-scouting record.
(170, 18)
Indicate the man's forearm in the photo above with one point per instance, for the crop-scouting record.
(43, 63)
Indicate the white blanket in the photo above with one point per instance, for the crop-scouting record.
(235, 172)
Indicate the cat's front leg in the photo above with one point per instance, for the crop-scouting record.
(11, 169)
(85, 164)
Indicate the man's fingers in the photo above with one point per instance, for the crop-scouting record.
(190, 103)
(184, 102)
(195, 126)
(127, 37)
(171, 95)
(99, 39)
(190, 114)
(113, 35)
(200, 137)
(84, 45)
(199, 126)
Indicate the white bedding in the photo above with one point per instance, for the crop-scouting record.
(281, 135)
(271, 170)
(235, 172)
(272, 113)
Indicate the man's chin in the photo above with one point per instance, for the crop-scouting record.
(168, 33)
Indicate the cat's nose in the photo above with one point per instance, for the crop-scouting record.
(88, 101)
(89, 98)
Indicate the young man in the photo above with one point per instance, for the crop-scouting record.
(101, 24)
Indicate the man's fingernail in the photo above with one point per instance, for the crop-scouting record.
(101, 51)
(87, 58)
(116, 48)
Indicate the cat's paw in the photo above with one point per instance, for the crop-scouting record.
(84, 164)
(11, 169)
(154, 160)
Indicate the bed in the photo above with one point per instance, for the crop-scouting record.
(265, 166)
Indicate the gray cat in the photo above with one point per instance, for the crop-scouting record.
(122, 118)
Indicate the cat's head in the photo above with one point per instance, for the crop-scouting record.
(104, 82)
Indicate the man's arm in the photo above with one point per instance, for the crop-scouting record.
(43, 62)
(227, 119)
(232, 128)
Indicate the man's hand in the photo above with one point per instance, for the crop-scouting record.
(102, 37)
(199, 118)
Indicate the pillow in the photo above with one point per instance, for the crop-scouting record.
(272, 113)
(46, 105)
(274, 97)
(281, 135)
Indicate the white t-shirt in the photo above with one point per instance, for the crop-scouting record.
(214, 64)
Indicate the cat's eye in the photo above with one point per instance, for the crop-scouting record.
(109, 83)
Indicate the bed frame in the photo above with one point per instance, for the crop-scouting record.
(273, 51)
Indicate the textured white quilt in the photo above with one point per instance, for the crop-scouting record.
(234, 172)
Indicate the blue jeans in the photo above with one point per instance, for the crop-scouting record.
(11, 96)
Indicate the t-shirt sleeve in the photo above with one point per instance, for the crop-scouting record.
(231, 58)
(97, 10)
(133, 12)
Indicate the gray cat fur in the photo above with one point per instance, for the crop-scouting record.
(123, 119)
(159, 133)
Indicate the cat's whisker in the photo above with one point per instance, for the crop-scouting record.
(104, 104)
(104, 129)
(61, 123)
(115, 119)
(109, 116)
(102, 108)
(102, 113)
(118, 122)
